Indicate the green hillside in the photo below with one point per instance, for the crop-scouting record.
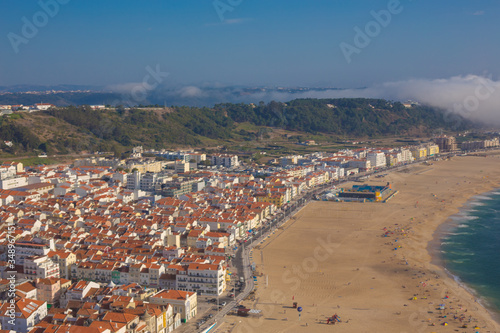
(76, 129)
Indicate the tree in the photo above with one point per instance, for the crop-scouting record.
(44, 147)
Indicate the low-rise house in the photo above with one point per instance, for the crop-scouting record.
(27, 313)
(183, 302)
(48, 290)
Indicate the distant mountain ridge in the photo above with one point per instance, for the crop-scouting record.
(205, 95)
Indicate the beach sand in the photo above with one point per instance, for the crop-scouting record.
(333, 258)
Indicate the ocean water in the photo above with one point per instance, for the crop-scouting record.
(470, 250)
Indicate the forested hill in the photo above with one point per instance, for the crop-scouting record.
(346, 116)
(76, 129)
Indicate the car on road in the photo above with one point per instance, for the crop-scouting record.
(223, 303)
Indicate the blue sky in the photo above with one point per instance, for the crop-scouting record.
(264, 43)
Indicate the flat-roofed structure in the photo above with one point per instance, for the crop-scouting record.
(365, 192)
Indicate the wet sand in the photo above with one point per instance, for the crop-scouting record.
(370, 263)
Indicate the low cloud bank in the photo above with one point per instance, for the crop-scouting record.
(474, 97)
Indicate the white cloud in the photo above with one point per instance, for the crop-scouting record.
(472, 96)
(191, 92)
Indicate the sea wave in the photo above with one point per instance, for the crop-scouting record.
(460, 261)
(456, 234)
(461, 253)
(469, 217)
(483, 197)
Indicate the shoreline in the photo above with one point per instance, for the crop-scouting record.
(434, 248)
(375, 283)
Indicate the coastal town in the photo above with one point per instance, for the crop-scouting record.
(233, 166)
(149, 244)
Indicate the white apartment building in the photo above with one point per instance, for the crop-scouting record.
(40, 267)
(24, 250)
(198, 157)
(7, 171)
(121, 177)
(377, 159)
(181, 166)
(134, 180)
(7, 184)
(205, 279)
(148, 181)
(225, 160)
(361, 164)
(406, 155)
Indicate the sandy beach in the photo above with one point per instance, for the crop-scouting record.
(371, 263)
